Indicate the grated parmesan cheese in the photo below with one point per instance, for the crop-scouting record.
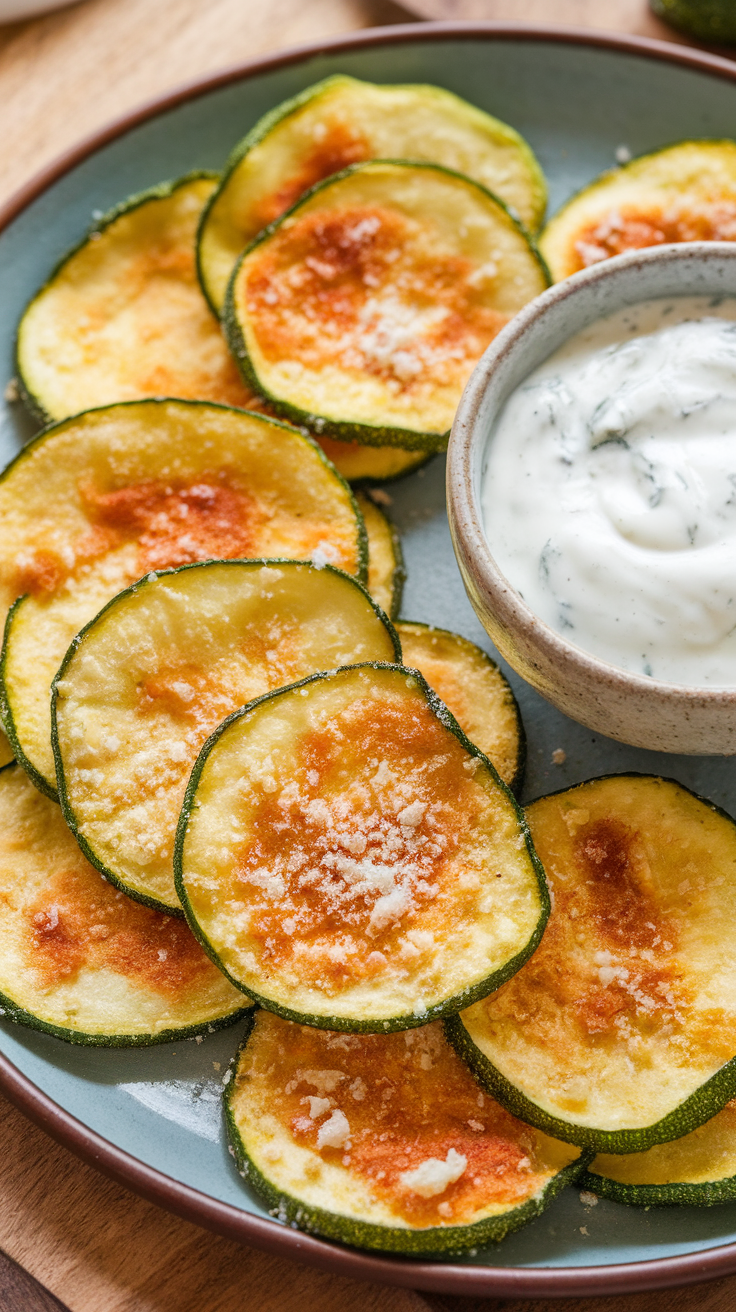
(335, 1132)
(433, 1175)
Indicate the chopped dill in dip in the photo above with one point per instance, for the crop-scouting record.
(609, 494)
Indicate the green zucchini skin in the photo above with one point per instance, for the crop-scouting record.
(518, 779)
(433, 1242)
(348, 430)
(161, 191)
(709, 1194)
(437, 1011)
(695, 1171)
(6, 711)
(703, 1104)
(373, 480)
(239, 151)
(63, 797)
(398, 578)
(400, 572)
(9, 1010)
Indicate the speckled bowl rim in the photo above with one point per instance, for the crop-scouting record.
(467, 447)
(181, 1199)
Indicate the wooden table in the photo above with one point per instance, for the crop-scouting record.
(93, 1244)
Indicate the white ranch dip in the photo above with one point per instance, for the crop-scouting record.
(609, 497)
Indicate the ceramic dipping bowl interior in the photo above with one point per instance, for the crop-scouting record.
(626, 706)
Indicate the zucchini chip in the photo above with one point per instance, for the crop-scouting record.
(474, 689)
(386, 573)
(145, 683)
(384, 1141)
(685, 192)
(620, 1033)
(330, 834)
(342, 121)
(110, 495)
(362, 312)
(122, 316)
(79, 959)
(6, 751)
(698, 1170)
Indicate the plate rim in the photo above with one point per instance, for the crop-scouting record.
(154, 1185)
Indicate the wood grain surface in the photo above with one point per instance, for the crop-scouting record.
(93, 1244)
(616, 15)
(19, 1292)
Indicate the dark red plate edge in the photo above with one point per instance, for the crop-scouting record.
(179, 1198)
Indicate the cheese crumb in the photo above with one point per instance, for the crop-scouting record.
(324, 554)
(317, 1106)
(412, 815)
(323, 1081)
(335, 1132)
(433, 1176)
(559, 756)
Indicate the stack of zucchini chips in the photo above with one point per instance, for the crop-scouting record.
(242, 787)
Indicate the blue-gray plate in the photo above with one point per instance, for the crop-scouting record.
(152, 1117)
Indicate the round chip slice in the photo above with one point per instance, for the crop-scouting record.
(686, 192)
(150, 678)
(342, 121)
(363, 311)
(122, 316)
(79, 959)
(620, 1033)
(475, 691)
(105, 497)
(696, 1171)
(331, 835)
(384, 1141)
(386, 573)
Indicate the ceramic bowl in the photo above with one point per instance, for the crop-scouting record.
(629, 707)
